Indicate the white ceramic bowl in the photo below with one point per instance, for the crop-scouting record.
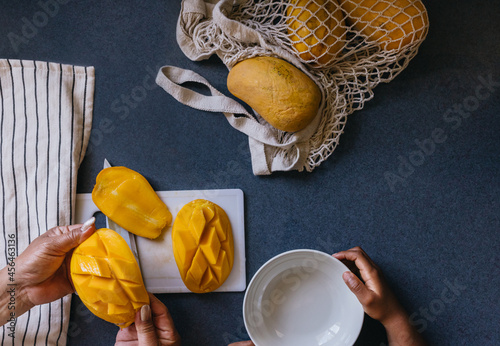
(299, 298)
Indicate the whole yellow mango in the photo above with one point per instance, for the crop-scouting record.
(107, 278)
(202, 239)
(392, 24)
(317, 30)
(127, 198)
(282, 94)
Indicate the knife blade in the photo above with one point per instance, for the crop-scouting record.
(129, 237)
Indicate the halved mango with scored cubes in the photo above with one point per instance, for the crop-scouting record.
(127, 198)
(202, 239)
(107, 278)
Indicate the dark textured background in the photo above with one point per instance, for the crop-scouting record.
(437, 227)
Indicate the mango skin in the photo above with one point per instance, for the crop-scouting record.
(202, 240)
(127, 198)
(282, 94)
(107, 278)
(401, 23)
(317, 30)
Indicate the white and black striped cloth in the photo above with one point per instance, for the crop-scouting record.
(45, 123)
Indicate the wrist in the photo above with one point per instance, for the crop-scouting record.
(13, 298)
(396, 319)
(401, 332)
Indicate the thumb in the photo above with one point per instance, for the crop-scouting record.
(356, 286)
(63, 239)
(146, 331)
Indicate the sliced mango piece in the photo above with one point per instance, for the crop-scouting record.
(202, 239)
(107, 278)
(127, 198)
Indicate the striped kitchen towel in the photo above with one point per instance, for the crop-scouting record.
(45, 123)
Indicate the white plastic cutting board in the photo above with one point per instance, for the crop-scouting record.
(159, 270)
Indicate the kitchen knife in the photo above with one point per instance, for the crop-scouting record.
(129, 237)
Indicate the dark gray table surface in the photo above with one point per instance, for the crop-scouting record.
(434, 233)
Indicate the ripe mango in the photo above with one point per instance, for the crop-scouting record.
(127, 198)
(317, 30)
(202, 240)
(391, 24)
(282, 94)
(107, 278)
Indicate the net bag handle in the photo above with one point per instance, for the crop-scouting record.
(171, 78)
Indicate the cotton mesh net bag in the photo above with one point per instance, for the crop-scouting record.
(347, 47)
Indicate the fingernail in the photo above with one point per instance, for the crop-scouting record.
(347, 276)
(145, 313)
(87, 224)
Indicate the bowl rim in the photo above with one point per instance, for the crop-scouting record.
(269, 262)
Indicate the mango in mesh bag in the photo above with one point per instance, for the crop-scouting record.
(127, 198)
(107, 278)
(202, 240)
(392, 24)
(317, 30)
(283, 95)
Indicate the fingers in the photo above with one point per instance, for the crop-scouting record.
(126, 336)
(87, 229)
(374, 294)
(64, 238)
(160, 312)
(242, 343)
(163, 321)
(367, 268)
(357, 287)
(154, 322)
(146, 331)
(88, 224)
(356, 253)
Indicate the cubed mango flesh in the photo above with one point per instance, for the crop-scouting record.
(202, 240)
(107, 278)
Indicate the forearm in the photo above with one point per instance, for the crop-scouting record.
(13, 300)
(401, 333)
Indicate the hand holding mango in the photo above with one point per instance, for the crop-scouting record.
(42, 270)
(153, 326)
